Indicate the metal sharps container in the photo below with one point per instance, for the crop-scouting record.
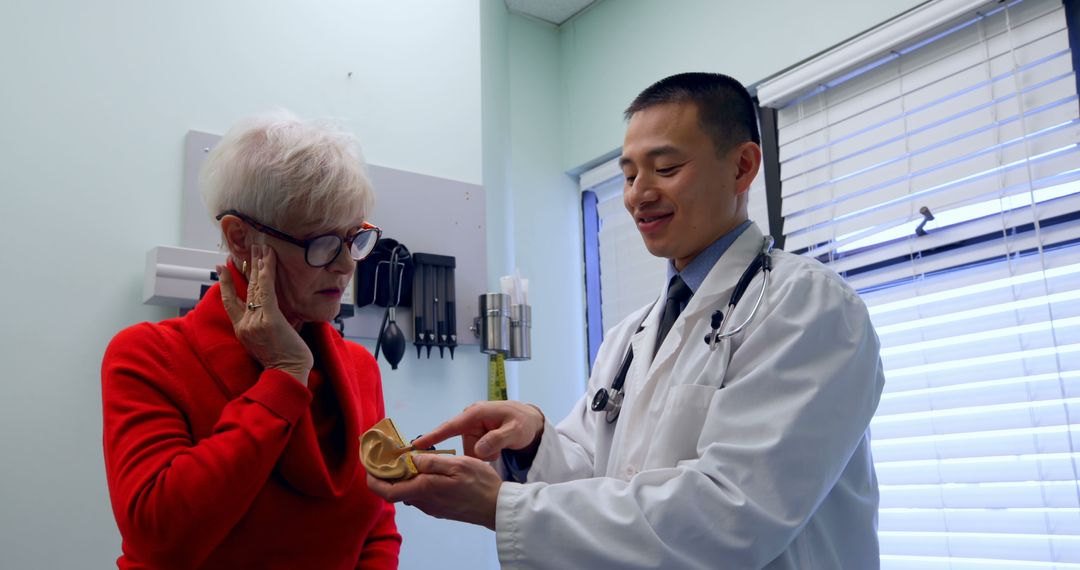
(493, 324)
(520, 332)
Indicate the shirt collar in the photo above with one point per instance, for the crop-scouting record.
(694, 274)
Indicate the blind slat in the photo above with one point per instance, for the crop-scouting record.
(1039, 172)
(1039, 520)
(956, 233)
(967, 51)
(1046, 87)
(982, 156)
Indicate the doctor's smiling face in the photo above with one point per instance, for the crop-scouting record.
(683, 192)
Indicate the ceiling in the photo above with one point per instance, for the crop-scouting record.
(552, 11)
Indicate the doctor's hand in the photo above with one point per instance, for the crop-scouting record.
(448, 487)
(486, 428)
(259, 324)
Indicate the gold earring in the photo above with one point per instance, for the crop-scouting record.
(243, 268)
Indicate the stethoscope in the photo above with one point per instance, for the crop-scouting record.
(609, 400)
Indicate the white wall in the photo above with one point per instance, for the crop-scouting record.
(95, 103)
(534, 209)
(619, 47)
(545, 222)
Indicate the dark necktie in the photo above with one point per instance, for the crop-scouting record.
(678, 295)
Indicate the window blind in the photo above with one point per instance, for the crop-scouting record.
(983, 112)
(942, 180)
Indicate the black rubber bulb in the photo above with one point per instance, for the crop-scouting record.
(393, 344)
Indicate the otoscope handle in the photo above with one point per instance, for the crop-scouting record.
(451, 327)
(451, 321)
(418, 336)
(440, 329)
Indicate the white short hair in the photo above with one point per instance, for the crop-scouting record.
(280, 169)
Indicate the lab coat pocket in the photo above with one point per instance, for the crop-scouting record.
(698, 364)
(680, 425)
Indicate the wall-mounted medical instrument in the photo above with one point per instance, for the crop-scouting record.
(391, 339)
(385, 276)
(609, 400)
(520, 332)
(505, 321)
(178, 276)
(504, 325)
(393, 277)
(503, 328)
(434, 304)
(492, 327)
(384, 279)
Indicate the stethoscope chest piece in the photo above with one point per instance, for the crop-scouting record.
(608, 401)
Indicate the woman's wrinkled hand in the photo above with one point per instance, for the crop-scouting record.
(260, 326)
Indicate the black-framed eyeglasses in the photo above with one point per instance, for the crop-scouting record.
(321, 251)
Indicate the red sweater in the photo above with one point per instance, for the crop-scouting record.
(213, 462)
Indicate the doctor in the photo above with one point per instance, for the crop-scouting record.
(752, 455)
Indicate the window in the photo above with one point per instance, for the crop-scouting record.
(941, 178)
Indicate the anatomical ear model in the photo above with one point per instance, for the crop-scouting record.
(385, 455)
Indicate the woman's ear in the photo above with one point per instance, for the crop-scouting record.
(237, 239)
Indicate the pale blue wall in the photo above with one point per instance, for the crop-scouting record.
(618, 47)
(546, 222)
(96, 99)
(534, 212)
(495, 95)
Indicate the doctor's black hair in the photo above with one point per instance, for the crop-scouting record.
(726, 112)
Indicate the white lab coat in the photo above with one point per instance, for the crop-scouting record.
(756, 455)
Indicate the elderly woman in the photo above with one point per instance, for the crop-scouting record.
(232, 433)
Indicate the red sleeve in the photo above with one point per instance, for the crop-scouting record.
(175, 499)
(383, 543)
